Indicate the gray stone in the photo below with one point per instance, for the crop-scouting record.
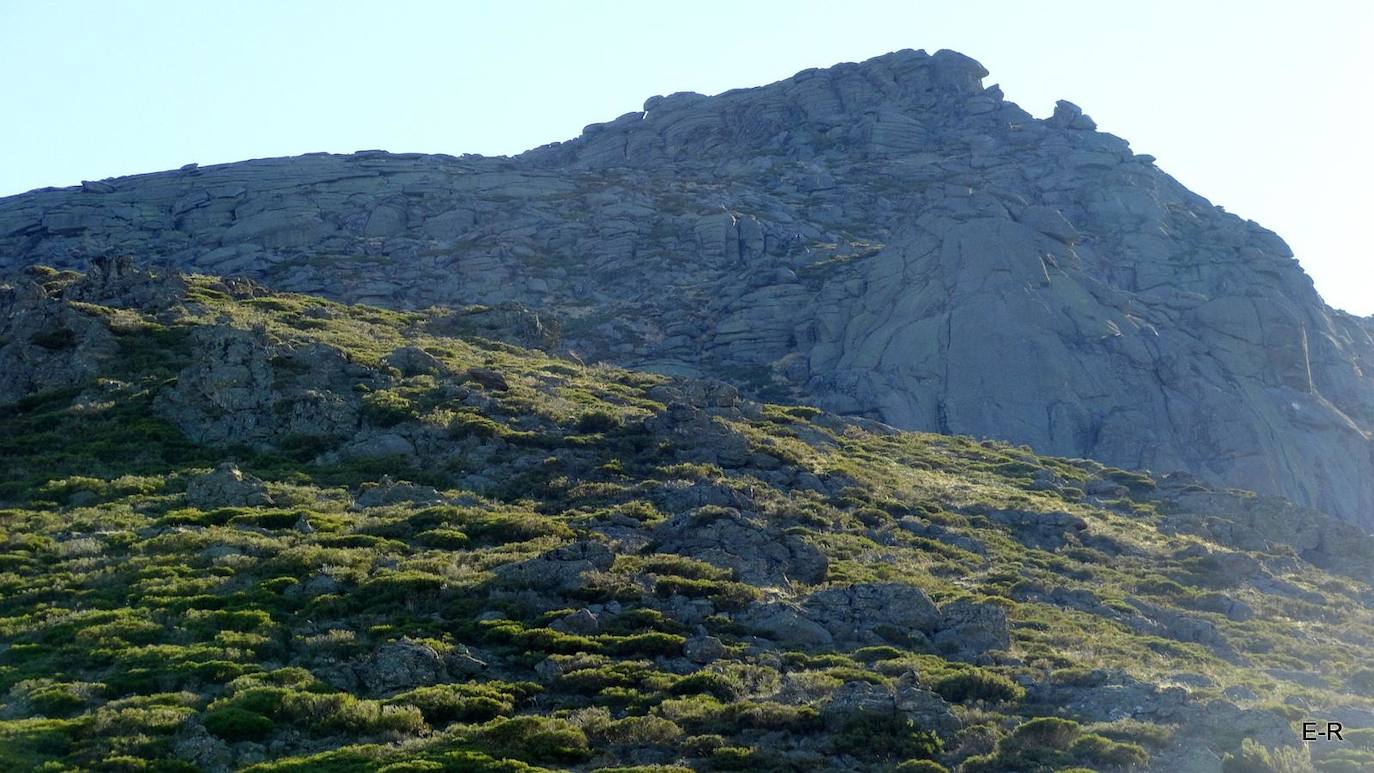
(391, 492)
(786, 624)
(583, 621)
(489, 378)
(414, 361)
(867, 613)
(969, 628)
(730, 539)
(906, 698)
(464, 661)
(380, 446)
(560, 569)
(703, 649)
(226, 486)
(401, 665)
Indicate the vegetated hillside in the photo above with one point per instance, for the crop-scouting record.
(889, 239)
(249, 530)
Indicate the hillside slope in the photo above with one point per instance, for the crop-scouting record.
(249, 530)
(888, 239)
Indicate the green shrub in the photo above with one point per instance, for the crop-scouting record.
(977, 684)
(641, 731)
(1255, 758)
(391, 588)
(920, 766)
(545, 639)
(701, 745)
(260, 700)
(648, 644)
(1362, 681)
(873, 654)
(271, 519)
(60, 699)
(1052, 743)
(341, 712)
(1096, 750)
(321, 712)
(1043, 732)
(721, 686)
(502, 527)
(737, 758)
(885, 736)
(233, 724)
(683, 566)
(387, 408)
(443, 539)
(766, 715)
(444, 703)
(596, 421)
(537, 739)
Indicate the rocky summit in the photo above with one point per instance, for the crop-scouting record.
(889, 239)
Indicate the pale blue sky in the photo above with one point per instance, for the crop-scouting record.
(1260, 105)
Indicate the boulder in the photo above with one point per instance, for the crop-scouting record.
(414, 361)
(907, 698)
(391, 492)
(226, 486)
(401, 665)
(489, 379)
(558, 570)
(703, 649)
(867, 613)
(970, 628)
(728, 538)
(786, 624)
(583, 621)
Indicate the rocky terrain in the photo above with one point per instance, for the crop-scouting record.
(248, 530)
(890, 239)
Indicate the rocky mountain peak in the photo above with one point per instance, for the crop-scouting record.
(887, 239)
(886, 105)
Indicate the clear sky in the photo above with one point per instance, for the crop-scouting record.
(1260, 105)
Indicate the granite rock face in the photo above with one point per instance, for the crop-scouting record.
(889, 239)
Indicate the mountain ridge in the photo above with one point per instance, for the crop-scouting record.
(887, 239)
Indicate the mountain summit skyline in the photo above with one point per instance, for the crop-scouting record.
(857, 422)
(888, 239)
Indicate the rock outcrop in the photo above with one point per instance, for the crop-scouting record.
(226, 486)
(888, 239)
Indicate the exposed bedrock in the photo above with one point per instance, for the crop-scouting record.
(890, 239)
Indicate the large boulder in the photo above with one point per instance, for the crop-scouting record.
(969, 628)
(759, 553)
(401, 665)
(392, 492)
(227, 486)
(560, 569)
(907, 697)
(242, 388)
(866, 613)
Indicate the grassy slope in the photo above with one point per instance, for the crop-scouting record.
(129, 620)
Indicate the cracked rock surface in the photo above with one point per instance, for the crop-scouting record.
(889, 239)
